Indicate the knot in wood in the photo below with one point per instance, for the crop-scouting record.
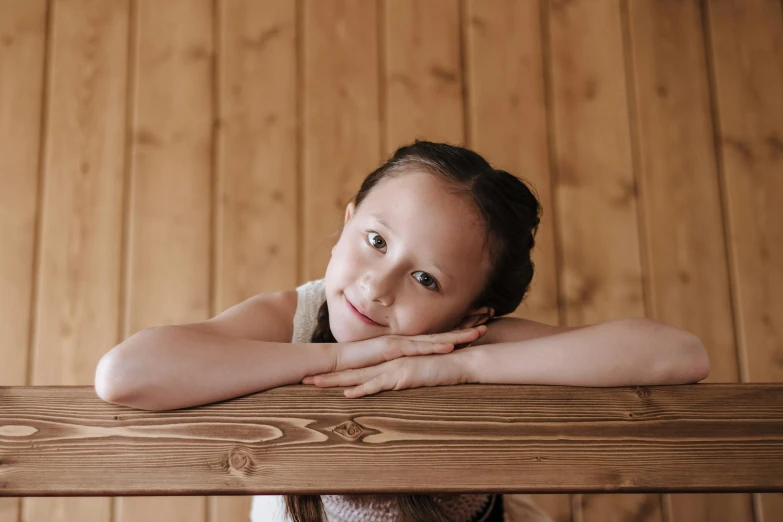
(642, 392)
(238, 459)
(350, 430)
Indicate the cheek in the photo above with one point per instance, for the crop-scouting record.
(417, 317)
(344, 265)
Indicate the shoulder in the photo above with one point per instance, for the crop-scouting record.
(283, 305)
(268, 316)
(286, 301)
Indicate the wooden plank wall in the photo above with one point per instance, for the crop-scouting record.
(161, 161)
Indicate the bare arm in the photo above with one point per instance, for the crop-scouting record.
(621, 352)
(171, 367)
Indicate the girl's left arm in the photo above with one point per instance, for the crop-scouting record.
(620, 352)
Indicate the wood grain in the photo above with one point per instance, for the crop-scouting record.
(746, 40)
(341, 121)
(170, 232)
(22, 72)
(688, 281)
(507, 117)
(257, 168)
(423, 74)
(77, 299)
(480, 438)
(595, 191)
(256, 191)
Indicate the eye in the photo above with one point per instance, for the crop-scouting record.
(377, 241)
(426, 280)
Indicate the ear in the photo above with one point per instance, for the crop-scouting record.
(349, 211)
(475, 318)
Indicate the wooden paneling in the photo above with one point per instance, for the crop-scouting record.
(650, 131)
(423, 72)
(506, 104)
(595, 192)
(80, 243)
(22, 39)
(257, 164)
(341, 119)
(170, 191)
(746, 37)
(257, 150)
(22, 68)
(687, 275)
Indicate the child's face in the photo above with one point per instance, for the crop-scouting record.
(415, 276)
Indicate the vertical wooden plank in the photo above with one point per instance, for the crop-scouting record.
(595, 192)
(78, 294)
(257, 150)
(22, 39)
(341, 118)
(171, 191)
(746, 38)
(22, 63)
(508, 125)
(423, 73)
(687, 269)
(507, 115)
(257, 186)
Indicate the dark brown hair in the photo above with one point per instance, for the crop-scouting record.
(510, 215)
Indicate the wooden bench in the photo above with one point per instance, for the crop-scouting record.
(65, 441)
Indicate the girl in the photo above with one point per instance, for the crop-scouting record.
(435, 247)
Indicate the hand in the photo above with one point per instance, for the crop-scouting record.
(368, 352)
(399, 374)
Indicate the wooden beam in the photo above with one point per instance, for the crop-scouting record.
(65, 441)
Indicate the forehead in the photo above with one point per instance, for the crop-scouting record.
(428, 218)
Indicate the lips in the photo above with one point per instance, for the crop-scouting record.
(367, 319)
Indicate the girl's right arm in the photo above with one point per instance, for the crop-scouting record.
(243, 350)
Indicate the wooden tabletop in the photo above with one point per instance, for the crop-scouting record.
(65, 441)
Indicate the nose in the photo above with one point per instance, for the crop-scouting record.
(377, 286)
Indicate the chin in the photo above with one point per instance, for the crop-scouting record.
(343, 333)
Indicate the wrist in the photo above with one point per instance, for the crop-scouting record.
(468, 361)
(315, 358)
(328, 358)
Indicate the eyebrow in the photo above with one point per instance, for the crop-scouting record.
(385, 224)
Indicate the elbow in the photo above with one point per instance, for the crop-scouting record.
(118, 374)
(685, 359)
(103, 380)
(111, 382)
(701, 362)
(693, 364)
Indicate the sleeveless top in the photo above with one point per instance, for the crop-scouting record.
(369, 508)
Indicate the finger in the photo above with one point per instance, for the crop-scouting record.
(461, 336)
(423, 348)
(308, 380)
(449, 337)
(344, 378)
(370, 387)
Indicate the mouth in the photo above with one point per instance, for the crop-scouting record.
(361, 316)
